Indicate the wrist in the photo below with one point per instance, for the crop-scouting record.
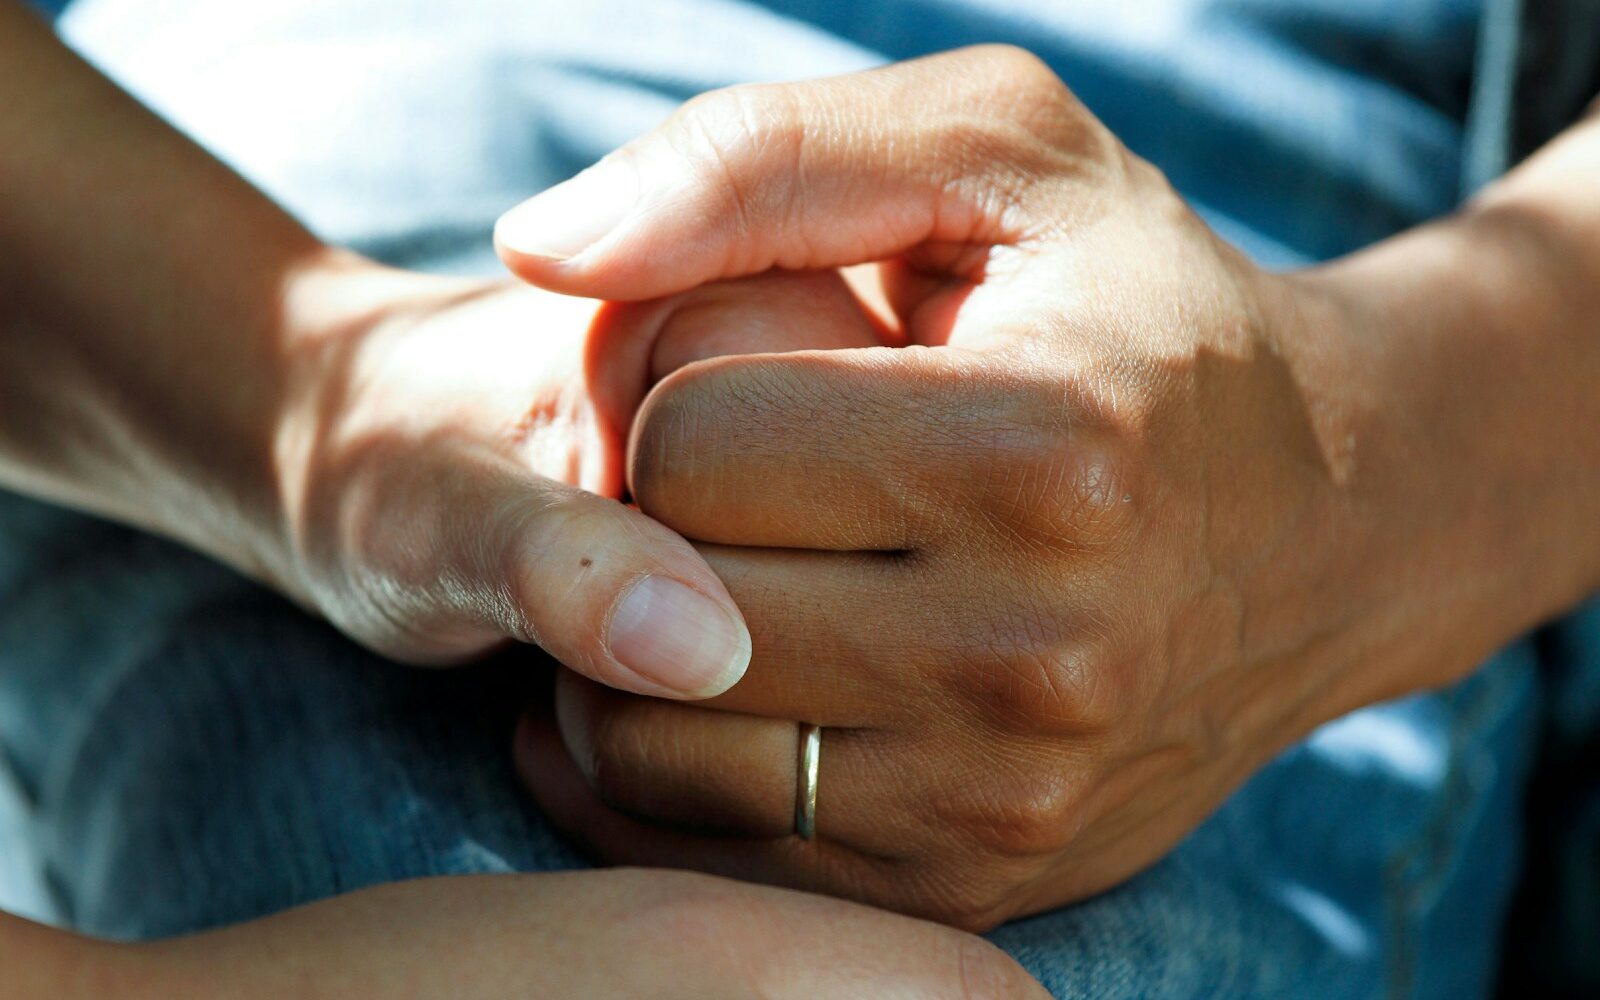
(1464, 367)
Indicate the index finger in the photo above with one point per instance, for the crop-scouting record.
(863, 449)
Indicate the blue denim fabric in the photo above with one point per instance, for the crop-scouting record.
(179, 748)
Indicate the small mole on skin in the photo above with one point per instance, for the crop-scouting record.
(585, 562)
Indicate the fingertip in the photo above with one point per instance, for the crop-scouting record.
(584, 276)
(623, 269)
(547, 769)
(563, 221)
(532, 268)
(625, 601)
(679, 638)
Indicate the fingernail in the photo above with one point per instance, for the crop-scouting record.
(572, 216)
(679, 638)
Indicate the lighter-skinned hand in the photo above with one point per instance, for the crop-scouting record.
(451, 459)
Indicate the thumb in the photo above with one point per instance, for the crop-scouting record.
(948, 152)
(467, 549)
(620, 598)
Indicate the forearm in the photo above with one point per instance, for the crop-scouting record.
(41, 961)
(1473, 368)
(148, 301)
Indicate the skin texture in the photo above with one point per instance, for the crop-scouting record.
(1126, 518)
(620, 933)
(403, 454)
(432, 452)
(922, 539)
(426, 462)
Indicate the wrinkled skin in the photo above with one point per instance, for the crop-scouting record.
(1127, 517)
(451, 454)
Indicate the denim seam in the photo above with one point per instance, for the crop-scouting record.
(1415, 872)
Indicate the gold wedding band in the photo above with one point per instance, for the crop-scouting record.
(805, 791)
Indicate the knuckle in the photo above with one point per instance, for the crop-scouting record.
(1092, 506)
(732, 128)
(1047, 691)
(563, 518)
(541, 541)
(1027, 815)
(1028, 100)
(1052, 469)
(1016, 70)
(1057, 490)
(741, 112)
(969, 900)
(1041, 669)
(1023, 813)
(745, 142)
(1106, 693)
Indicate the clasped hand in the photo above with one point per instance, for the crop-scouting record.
(1056, 571)
(954, 422)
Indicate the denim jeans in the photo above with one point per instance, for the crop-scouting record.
(180, 748)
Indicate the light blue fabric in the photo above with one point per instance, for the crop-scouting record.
(188, 749)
